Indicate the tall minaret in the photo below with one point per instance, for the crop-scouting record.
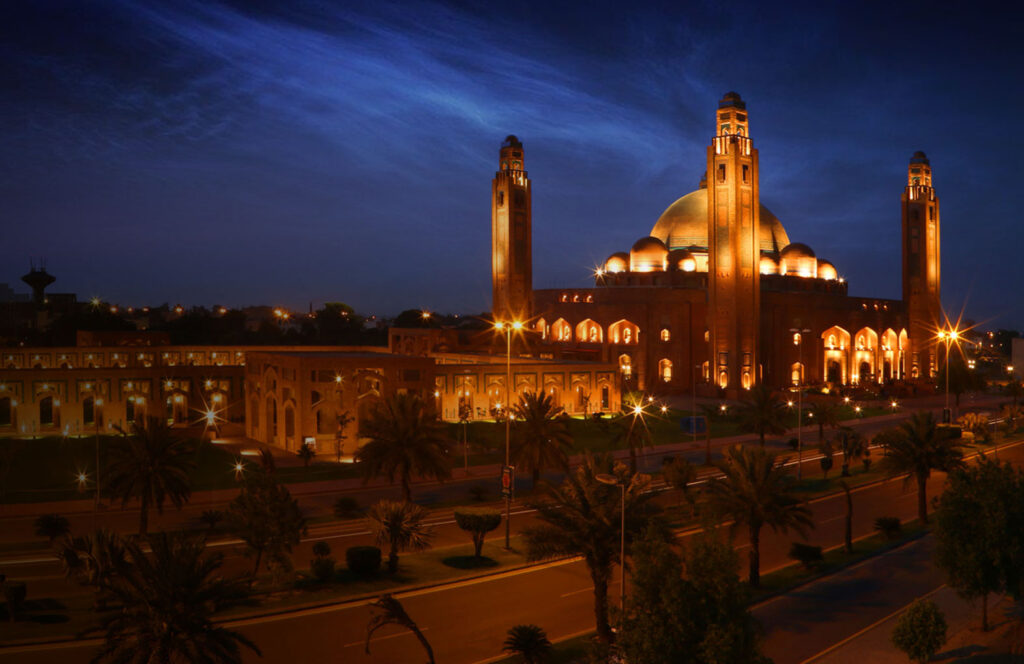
(921, 266)
(511, 236)
(734, 285)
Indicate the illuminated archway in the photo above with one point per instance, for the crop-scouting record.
(626, 366)
(665, 370)
(588, 331)
(561, 330)
(888, 351)
(624, 332)
(835, 342)
(864, 355)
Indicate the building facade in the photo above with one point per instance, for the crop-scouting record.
(717, 298)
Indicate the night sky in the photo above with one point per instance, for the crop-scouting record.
(287, 153)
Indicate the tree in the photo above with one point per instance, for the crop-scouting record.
(700, 617)
(306, 453)
(679, 474)
(582, 518)
(827, 458)
(541, 437)
(152, 465)
(393, 613)
(167, 601)
(405, 438)
(93, 560)
(762, 413)
(979, 531)
(15, 593)
(398, 525)
(266, 517)
(825, 414)
(756, 491)
(920, 631)
(852, 444)
(344, 420)
(477, 522)
(530, 642)
(52, 526)
(916, 450)
(961, 378)
(211, 519)
(848, 532)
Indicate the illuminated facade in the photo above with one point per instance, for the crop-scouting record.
(718, 296)
(511, 235)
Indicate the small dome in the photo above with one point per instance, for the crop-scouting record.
(769, 265)
(798, 260)
(682, 260)
(798, 249)
(512, 141)
(919, 158)
(732, 99)
(648, 255)
(617, 262)
(827, 271)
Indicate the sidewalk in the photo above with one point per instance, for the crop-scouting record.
(848, 617)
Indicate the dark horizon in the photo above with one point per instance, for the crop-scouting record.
(244, 154)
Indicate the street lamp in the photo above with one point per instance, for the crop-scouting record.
(798, 341)
(507, 328)
(948, 335)
(605, 478)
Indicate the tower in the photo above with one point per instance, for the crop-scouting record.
(511, 235)
(921, 265)
(38, 279)
(734, 286)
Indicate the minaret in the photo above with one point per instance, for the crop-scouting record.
(511, 235)
(921, 266)
(734, 286)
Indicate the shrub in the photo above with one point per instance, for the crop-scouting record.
(346, 507)
(322, 567)
(826, 464)
(321, 549)
(530, 642)
(889, 526)
(477, 522)
(52, 526)
(478, 492)
(920, 631)
(363, 560)
(794, 443)
(806, 554)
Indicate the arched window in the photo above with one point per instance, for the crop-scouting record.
(589, 332)
(561, 330)
(624, 332)
(6, 412)
(88, 411)
(665, 370)
(665, 334)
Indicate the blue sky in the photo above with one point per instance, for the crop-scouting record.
(288, 153)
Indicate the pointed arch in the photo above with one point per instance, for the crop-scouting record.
(624, 332)
(587, 331)
(561, 330)
(835, 344)
(865, 356)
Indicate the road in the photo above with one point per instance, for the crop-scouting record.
(466, 622)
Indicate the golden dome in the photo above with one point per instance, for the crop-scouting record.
(798, 259)
(682, 259)
(617, 262)
(685, 224)
(826, 270)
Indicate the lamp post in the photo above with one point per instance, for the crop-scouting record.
(507, 328)
(605, 478)
(949, 336)
(798, 341)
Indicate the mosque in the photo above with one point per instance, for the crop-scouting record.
(716, 296)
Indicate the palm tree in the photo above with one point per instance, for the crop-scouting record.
(399, 526)
(530, 642)
(852, 444)
(393, 613)
(542, 439)
(755, 491)
(406, 437)
(630, 433)
(762, 413)
(917, 450)
(151, 465)
(167, 602)
(824, 414)
(93, 560)
(581, 517)
(306, 453)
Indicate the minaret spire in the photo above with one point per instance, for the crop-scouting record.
(511, 235)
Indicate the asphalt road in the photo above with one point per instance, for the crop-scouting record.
(466, 622)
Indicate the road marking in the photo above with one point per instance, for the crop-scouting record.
(577, 592)
(382, 638)
(869, 627)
